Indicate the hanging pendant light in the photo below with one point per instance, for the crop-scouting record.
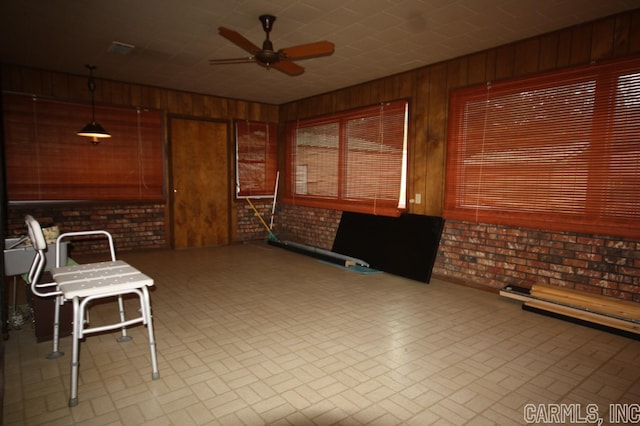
(93, 130)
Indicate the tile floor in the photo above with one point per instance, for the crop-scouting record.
(252, 334)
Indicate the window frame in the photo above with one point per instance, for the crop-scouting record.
(592, 218)
(46, 161)
(340, 201)
(249, 183)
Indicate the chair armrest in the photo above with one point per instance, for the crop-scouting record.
(40, 289)
(84, 233)
(34, 275)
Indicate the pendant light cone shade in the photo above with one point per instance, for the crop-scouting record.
(93, 130)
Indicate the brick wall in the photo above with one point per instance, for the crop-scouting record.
(478, 254)
(133, 226)
(492, 256)
(495, 256)
(249, 227)
(307, 225)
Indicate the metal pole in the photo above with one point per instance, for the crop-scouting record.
(275, 196)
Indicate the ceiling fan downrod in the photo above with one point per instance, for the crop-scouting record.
(267, 55)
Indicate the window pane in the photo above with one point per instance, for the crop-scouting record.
(509, 138)
(47, 160)
(557, 151)
(316, 152)
(352, 161)
(256, 158)
(623, 186)
(374, 158)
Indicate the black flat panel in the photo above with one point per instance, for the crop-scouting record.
(405, 245)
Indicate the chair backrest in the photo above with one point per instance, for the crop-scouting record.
(35, 233)
(39, 244)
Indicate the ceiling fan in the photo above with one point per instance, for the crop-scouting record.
(269, 58)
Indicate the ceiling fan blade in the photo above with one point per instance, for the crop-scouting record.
(238, 39)
(306, 51)
(246, 59)
(288, 68)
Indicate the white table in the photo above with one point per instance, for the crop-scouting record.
(83, 283)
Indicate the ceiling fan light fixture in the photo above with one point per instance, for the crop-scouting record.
(93, 130)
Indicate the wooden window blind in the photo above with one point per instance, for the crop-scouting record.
(47, 161)
(350, 161)
(256, 158)
(558, 151)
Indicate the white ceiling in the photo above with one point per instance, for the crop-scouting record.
(174, 39)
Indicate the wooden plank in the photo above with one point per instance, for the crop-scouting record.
(458, 73)
(526, 55)
(184, 103)
(565, 38)
(548, 53)
(621, 35)
(634, 32)
(153, 97)
(433, 198)
(59, 85)
(417, 179)
(477, 70)
(117, 94)
(594, 302)
(557, 306)
(32, 82)
(584, 315)
(515, 296)
(581, 44)
(504, 62)
(603, 35)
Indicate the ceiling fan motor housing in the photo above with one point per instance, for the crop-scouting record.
(267, 56)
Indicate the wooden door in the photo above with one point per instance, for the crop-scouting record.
(200, 193)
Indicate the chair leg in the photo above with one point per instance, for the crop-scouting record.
(146, 306)
(55, 351)
(77, 333)
(124, 337)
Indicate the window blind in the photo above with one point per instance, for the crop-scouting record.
(256, 158)
(46, 160)
(557, 151)
(352, 161)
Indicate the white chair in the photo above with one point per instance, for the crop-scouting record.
(83, 284)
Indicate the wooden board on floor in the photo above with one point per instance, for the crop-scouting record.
(584, 315)
(595, 309)
(592, 302)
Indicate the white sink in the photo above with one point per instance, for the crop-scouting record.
(18, 259)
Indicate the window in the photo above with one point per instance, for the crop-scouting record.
(351, 161)
(559, 151)
(256, 159)
(47, 161)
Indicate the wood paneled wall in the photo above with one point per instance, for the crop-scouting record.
(55, 85)
(74, 88)
(428, 89)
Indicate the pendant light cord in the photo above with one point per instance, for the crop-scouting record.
(92, 88)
